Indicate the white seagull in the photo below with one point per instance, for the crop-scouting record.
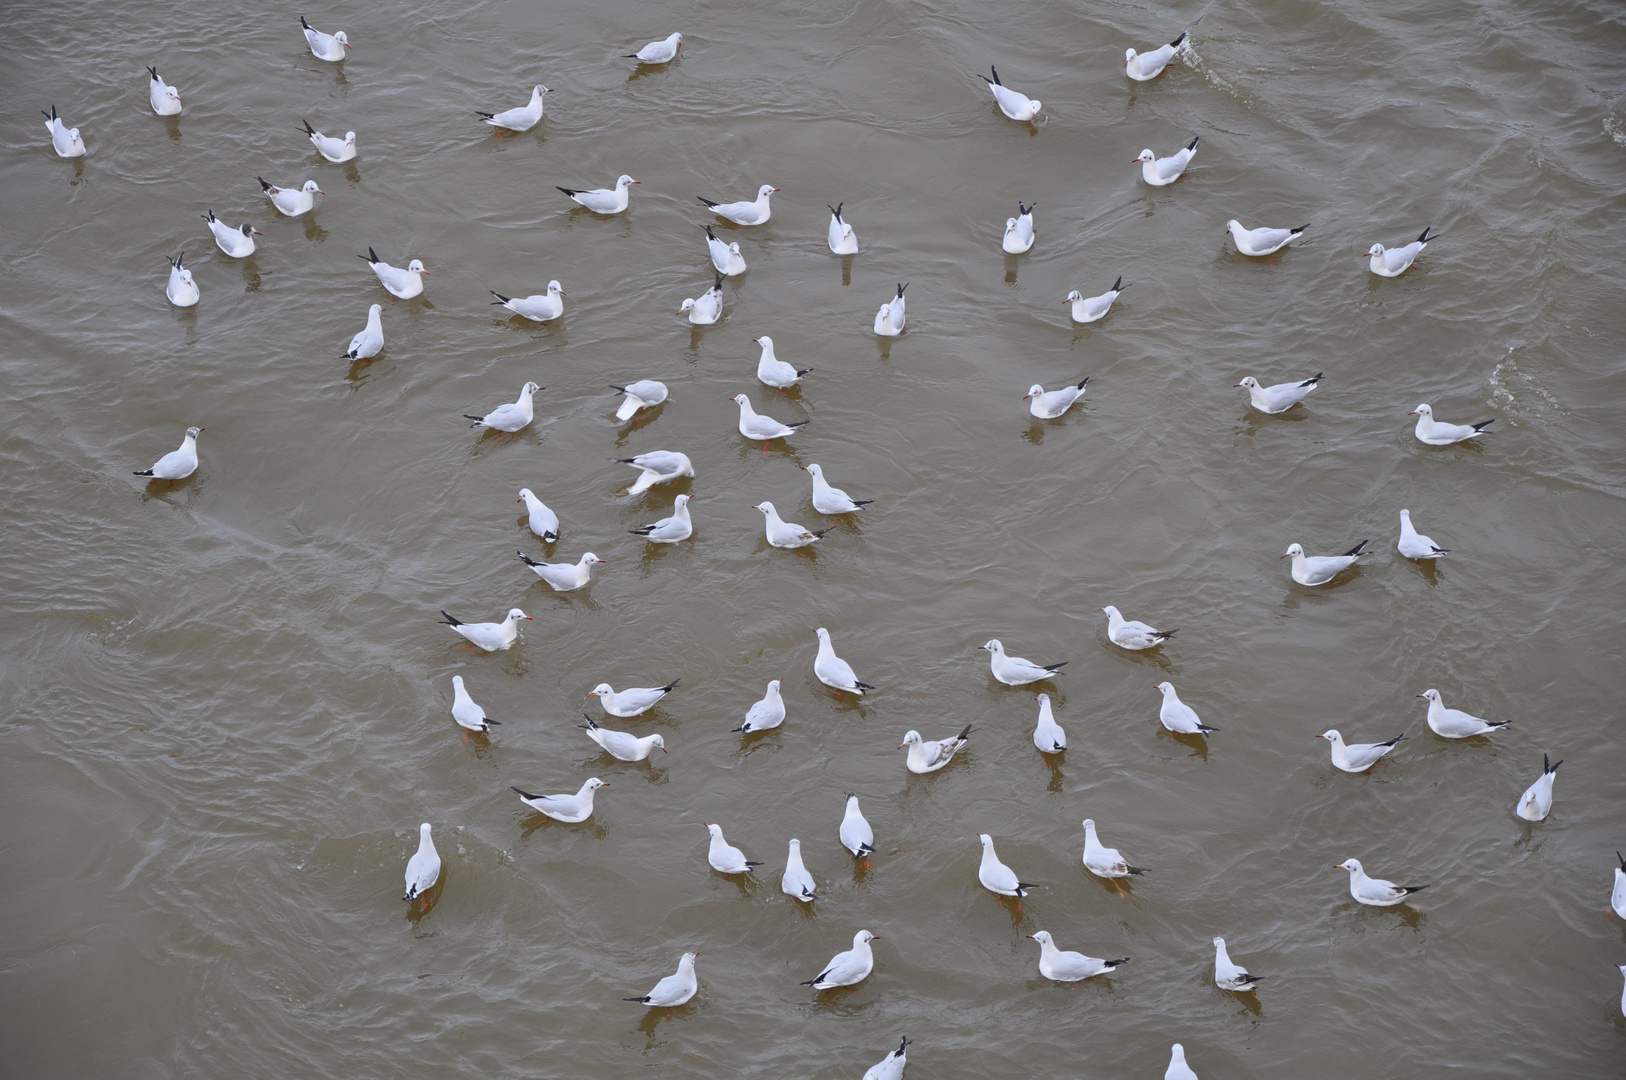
(1257, 242)
(766, 714)
(891, 1066)
(658, 467)
(1392, 262)
(675, 989)
(325, 46)
(1229, 976)
(786, 534)
(725, 258)
(1129, 634)
(1014, 670)
(238, 243)
(1048, 405)
(1017, 106)
(1278, 398)
(708, 308)
(889, 320)
(1413, 544)
(490, 636)
(1105, 862)
(1622, 968)
(177, 464)
(1178, 1069)
(774, 372)
(1143, 67)
(370, 342)
(1160, 172)
(929, 755)
(1357, 757)
(1617, 899)
(541, 520)
(166, 100)
(334, 150)
(181, 289)
(832, 500)
(1316, 570)
(858, 838)
(1177, 716)
(755, 212)
(539, 307)
(523, 118)
(669, 530)
(761, 428)
(291, 202)
(1018, 236)
(563, 577)
(1436, 433)
(622, 745)
(796, 881)
(1087, 309)
(567, 808)
(509, 417)
(399, 283)
(643, 394)
(603, 200)
(423, 869)
(1063, 966)
(835, 672)
(64, 140)
(1537, 801)
(995, 876)
(1454, 723)
(658, 52)
(840, 237)
(1375, 891)
(632, 701)
(1047, 734)
(464, 710)
(847, 968)
(724, 857)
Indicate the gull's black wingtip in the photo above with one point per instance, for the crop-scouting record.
(452, 620)
(1195, 139)
(1176, 42)
(154, 72)
(706, 201)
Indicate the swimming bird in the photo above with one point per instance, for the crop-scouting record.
(1413, 544)
(178, 464)
(835, 672)
(1437, 433)
(1454, 723)
(724, 857)
(563, 577)
(889, 320)
(622, 745)
(1061, 966)
(1177, 716)
(291, 202)
(1617, 899)
(858, 838)
(1105, 862)
(761, 428)
(468, 714)
(774, 372)
(1016, 105)
(523, 118)
(840, 237)
(786, 534)
(891, 1066)
(166, 100)
(632, 701)
(1143, 67)
(658, 467)
(1278, 398)
(490, 636)
(1014, 670)
(370, 342)
(1047, 734)
(1357, 757)
(541, 520)
(796, 881)
(1229, 976)
(676, 988)
(1259, 242)
(929, 755)
(511, 416)
(669, 530)
(1375, 891)
(708, 308)
(1129, 634)
(1178, 1069)
(995, 876)
(1047, 405)
(1018, 236)
(643, 394)
(1160, 172)
(423, 869)
(238, 243)
(603, 200)
(334, 150)
(1537, 801)
(399, 283)
(1316, 570)
(64, 140)
(1392, 262)
(725, 258)
(832, 500)
(847, 968)
(181, 289)
(766, 714)
(539, 307)
(658, 52)
(753, 212)
(325, 46)
(570, 809)
(1087, 309)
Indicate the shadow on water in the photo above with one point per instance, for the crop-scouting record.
(847, 269)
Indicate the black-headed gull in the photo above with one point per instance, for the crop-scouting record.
(509, 417)
(1016, 105)
(1159, 172)
(291, 202)
(1105, 862)
(725, 258)
(622, 745)
(1049, 404)
(1278, 398)
(539, 307)
(762, 428)
(238, 243)
(423, 869)
(1375, 891)
(334, 150)
(325, 46)
(370, 342)
(858, 838)
(1178, 1069)
(754, 212)
(708, 308)
(643, 394)
(1392, 262)
(847, 968)
(658, 52)
(786, 534)
(178, 464)
(523, 118)
(1413, 544)
(1257, 242)
(1014, 670)
(603, 200)
(1454, 723)
(675, 989)
(840, 237)
(1018, 236)
(571, 809)
(672, 529)
(832, 500)
(632, 701)
(1617, 898)
(490, 636)
(181, 289)
(891, 1066)
(1087, 309)
(1143, 67)
(835, 672)
(1229, 976)
(1177, 716)
(403, 284)
(1357, 757)
(774, 372)
(1438, 433)
(796, 881)
(563, 577)
(657, 467)
(766, 714)
(538, 518)
(1047, 734)
(64, 139)
(1061, 966)
(165, 99)
(1537, 801)
(724, 857)
(889, 320)
(929, 755)
(1128, 634)
(1316, 570)
(466, 712)
(995, 876)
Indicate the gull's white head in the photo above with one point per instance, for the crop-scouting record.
(1166, 687)
(1375, 250)
(682, 500)
(623, 180)
(993, 646)
(594, 783)
(1112, 612)
(1250, 382)
(688, 305)
(1033, 391)
(822, 633)
(193, 432)
(742, 400)
(516, 613)
(376, 309)
(910, 738)
(342, 39)
(768, 508)
(715, 830)
(765, 341)
(1352, 865)
(1423, 410)
(589, 558)
(1331, 735)
(1405, 515)
(416, 267)
(773, 684)
(1219, 943)
(529, 388)
(734, 249)
(1129, 56)
(601, 690)
(555, 289)
(1430, 694)
(538, 90)
(863, 937)
(1043, 936)
(985, 839)
(1146, 155)
(1034, 104)
(1010, 224)
(1073, 297)
(1293, 552)
(350, 139)
(457, 681)
(310, 188)
(766, 190)
(816, 469)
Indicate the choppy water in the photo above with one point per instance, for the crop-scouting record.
(226, 701)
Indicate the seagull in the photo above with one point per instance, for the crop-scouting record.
(1622, 968)
(1047, 734)
(1315, 570)
(399, 283)
(761, 428)
(744, 213)
(238, 243)
(659, 467)
(643, 394)
(177, 464)
(1435, 433)
(724, 857)
(1454, 723)
(166, 100)
(766, 714)
(1018, 231)
(774, 372)
(540, 307)
(1413, 544)
(1359, 757)
(1617, 899)
(508, 417)
(291, 202)
(603, 200)
(1015, 105)
(563, 577)
(674, 989)
(334, 150)
(523, 118)
(786, 534)
(1015, 671)
(542, 521)
(1229, 976)
(841, 238)
(1144, 67)
(1105, 862)
(1178, 1069)
(889, 320)
(708, 309)
(466, 712)
(1375, 891)
(1069, 966)
(567, 808)
(1047, 405)
(1160, 172)
(64, 140)
(1133, 635)
(1177, 716)
(658, 52)
(620, 744)
(847, 968)
(669, 530)
(490, 636)
(726, 258)
(832, 500)
(796, 881)
(325, 46)
(891, 1066)
(995, 876)
(1537, 801)
(370, 342)
(1386, 262)
(181, 289)
(423, 869)
(1087, 309)
(633, 700)
(929, 756)
(1278, 398)
(858, 838)
(835, 672)
(1259, 242)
